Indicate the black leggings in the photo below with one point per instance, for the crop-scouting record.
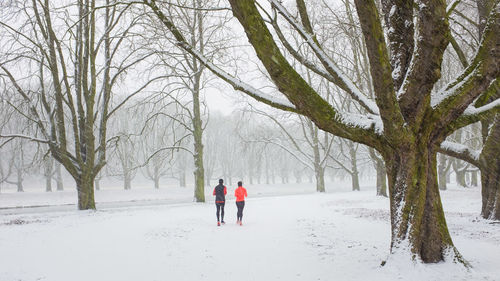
(240, 205)
(219, 207)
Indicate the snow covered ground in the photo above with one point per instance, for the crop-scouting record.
(340, 235)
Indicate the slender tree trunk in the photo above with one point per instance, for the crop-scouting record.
(320, 179)
(20, 187)
(97, 184)
(442, 172)
(48, 172)
(354, 167)
(48, 183)
(355, 181)
(199, 179)
(381, 173)
(59, 180)
(319, 171)
(473, 176)
(267, 171)
(460, 177)
(182, 178)
(417, 217)
(381, 179)
(127, 179)
(157, 182)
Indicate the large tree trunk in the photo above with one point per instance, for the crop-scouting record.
(490, 175)
(417, 216)
(85, 188)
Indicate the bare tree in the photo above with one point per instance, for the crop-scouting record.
(75, 57)
(201, 30)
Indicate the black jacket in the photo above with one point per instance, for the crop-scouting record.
(220, 193)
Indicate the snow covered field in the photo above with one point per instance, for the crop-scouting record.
(341, 235)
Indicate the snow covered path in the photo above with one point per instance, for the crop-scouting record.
(335, 236)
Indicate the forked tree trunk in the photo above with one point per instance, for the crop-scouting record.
(417, 216)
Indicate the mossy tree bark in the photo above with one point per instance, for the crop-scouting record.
(487, 162)
(490, 175)
(412, 130)
(417, 217)
(85, 189)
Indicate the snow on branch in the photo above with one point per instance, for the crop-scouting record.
(341, 79)
(233, 81)
(460, 151)
(451, 7)
(453, 88)
(471, 110)
(363, 121)
(238, 84)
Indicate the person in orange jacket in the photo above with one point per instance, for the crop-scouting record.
(240, 193)
(220, 192)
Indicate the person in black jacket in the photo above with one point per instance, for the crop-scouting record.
(220, 192)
